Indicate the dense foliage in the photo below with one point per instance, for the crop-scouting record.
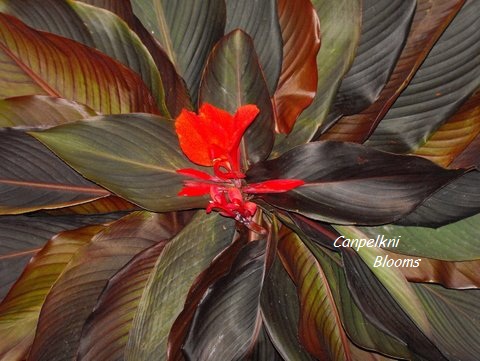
(182, 180)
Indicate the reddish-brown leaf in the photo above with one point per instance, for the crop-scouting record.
(20, 309)
(177, 94)
(104, 205)
(115, 309)
(320, 328)
(75, 293)
(461, 275)
(34, 62)
(298, 80)
(32, 178)
(40, 111)
(218, 268)
(456, 144)
(430, 20)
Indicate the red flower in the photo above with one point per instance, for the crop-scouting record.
(212, 138)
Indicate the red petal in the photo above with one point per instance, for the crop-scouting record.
(194, 189)
(242, 119)
(219, 124)
(273, 186)
(193, 137)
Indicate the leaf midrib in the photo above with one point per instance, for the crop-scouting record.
(165, 32)
(129, 161)
(56, 187)
(29, 71)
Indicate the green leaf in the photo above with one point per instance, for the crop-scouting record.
(341, 24)
(358, 328)
(350, 183)
(227, 319)
(116, 308)
(454, 242)
(220, 266)
(75, 293)
(40, 111)
(95, 28)
(259, 20)
(391, 279)
(233, 67)
(430, 20)
(178, 97)
(455, 320)
(32, 178)
(429, 100)
(264, 349)
(139, 162)
(459, 199)
(183, 258)
(20, 310)
(298, 79)
(320, 328)
(34, 62)
(108, 204)
(455, 144)
(280, 313)
(390, 303)
(187, 31)
(458, 275)
(21, 237)
(385, 27)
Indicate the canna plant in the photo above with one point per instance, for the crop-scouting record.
(192, 180)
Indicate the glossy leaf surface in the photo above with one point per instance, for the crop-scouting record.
(20, 309)
(385, 27)
(177, 96)
(320, 328)
(383, 309)
(429, 100)
(458, 275)
(391, 278)
(95, 28)
(233, 67)
(61, 320)
(116, 308)
(456, 143)
(454, 316)
(219, 267)
(103, 205)
(226, 323)
(140, 165)
(187, 31)
(454, 242)
(298, 79)
(35, 62)
(340, 21)
(357, 327)
(182, 259)
(348, 183)
(264, 350)
(430, 20)
(40, 110)
(32, 178)
(280, 313)
(457, 200)
(21, 237)
(259, 20)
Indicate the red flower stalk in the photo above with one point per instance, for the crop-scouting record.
(212, 138)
